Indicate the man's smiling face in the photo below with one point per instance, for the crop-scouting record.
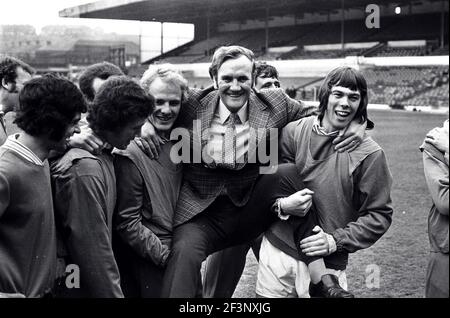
(342, 106)
(234, 81)
(167, 104)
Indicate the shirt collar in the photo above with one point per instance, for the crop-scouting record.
(321, 131)
(224, 113)
(13, 144)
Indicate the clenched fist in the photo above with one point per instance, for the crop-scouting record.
(297, 204)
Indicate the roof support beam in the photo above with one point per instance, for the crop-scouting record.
(162, 38)
(342, 24)
(442, 31)
(208, 29)
(266, 44)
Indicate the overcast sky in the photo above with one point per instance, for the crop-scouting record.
(40, 13)
(45, 12)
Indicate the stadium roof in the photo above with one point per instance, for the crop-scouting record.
(190, 11)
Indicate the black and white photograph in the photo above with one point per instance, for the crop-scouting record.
(241, 150)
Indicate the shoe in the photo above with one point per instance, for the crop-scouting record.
(329, 287)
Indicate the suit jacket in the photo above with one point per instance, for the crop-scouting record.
(203, 184)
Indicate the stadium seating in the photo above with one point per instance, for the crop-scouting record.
(323, 54)
(408, 85)
(436, 97)
(388, 85)
(403, 51)
(393, 28)
(395, 86)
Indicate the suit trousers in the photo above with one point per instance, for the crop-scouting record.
(224, 269)
(220, 226)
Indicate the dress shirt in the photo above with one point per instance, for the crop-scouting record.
(217, 133)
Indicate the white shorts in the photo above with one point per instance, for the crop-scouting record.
(282, 276)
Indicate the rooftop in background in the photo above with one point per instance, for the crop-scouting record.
(191, 11)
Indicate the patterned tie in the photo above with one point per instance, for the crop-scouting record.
(229, 143)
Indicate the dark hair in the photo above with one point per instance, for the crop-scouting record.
(8, 68)
(225, 53)
(101, 70)
(262, 69)
(119, 101)
(48, 105)
(346, 77)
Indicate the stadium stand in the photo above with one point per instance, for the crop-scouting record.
(405, 85)
(394, 28)
(304, 29)
(323, 54)
(435, 97)
(404, 51)
(395, 86)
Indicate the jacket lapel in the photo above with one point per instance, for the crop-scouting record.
(258, 114)
(206, 111)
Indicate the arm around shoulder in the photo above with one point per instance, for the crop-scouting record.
(299, 109)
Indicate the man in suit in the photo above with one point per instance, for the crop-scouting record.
(223, 269)
(216, 208)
